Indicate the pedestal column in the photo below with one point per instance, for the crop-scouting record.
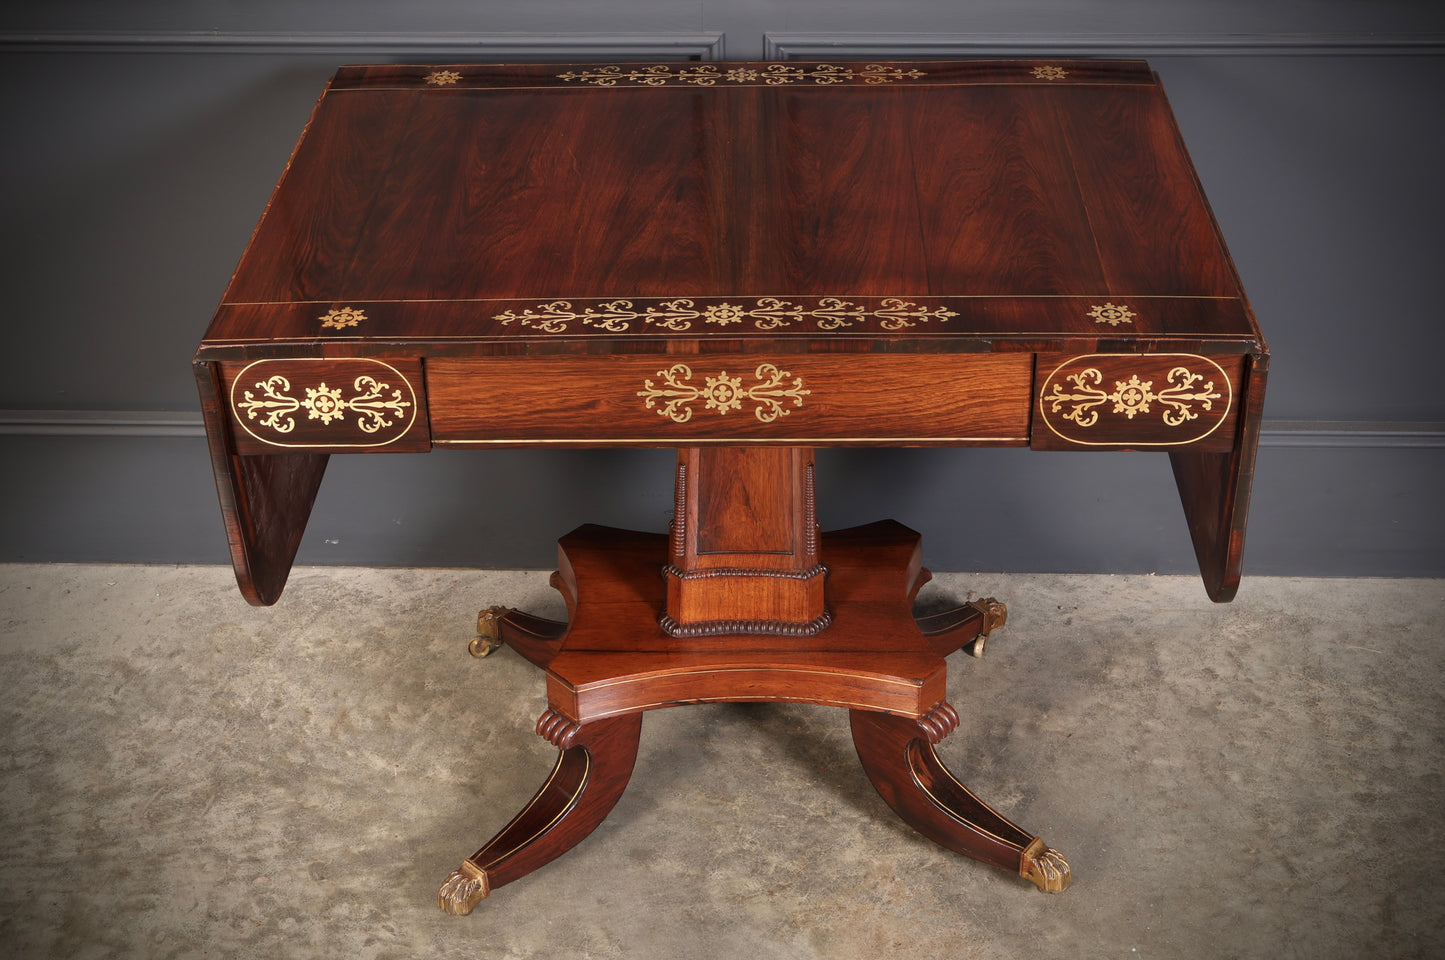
(743, 545)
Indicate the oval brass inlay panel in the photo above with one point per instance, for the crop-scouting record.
(352, 402)
(1137, 400)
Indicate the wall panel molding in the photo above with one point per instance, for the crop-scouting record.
(161, 423)
(486, 46)
(101, 423)
(814, 46)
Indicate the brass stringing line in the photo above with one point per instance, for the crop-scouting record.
(703, 296)
(760, 669)
(782, 441)
(566, 808)
(476, 84)
(745, 698)
(944, 807)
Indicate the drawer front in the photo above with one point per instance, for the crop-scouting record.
(673, 400)
(342, 405)
(1143, 401)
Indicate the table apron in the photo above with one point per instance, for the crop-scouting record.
(682, 400)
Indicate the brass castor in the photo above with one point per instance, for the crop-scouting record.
(489, 631)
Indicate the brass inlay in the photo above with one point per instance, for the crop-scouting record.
(707, 75)
(276, 406)
(1050, 73)
(797, 441)
(722, 393)
(341, 318)
(775, 669)
(1179, 403)
(1133, 396)
(566, 808)
(736, 698)
(917, 755)
(765, 313)
(469, 884)
(879, 73)
(442, 78)
(1112, 314)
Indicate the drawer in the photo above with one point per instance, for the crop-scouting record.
(674, 400)
(338, 405)
(1144, 401)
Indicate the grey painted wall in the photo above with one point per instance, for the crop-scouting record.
(142, 140)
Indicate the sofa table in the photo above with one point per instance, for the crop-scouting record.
(742, 261)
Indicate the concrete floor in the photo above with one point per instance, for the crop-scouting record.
(186, 776)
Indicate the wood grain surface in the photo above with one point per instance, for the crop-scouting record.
(441, 208)
(821, 254)
(672, 400)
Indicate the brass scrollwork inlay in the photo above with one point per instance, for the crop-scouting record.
(1133, 397)
(1112, 314)
(277, 408)
(707, 75)
(1050, 73)
(341, 318)
(443, 78)
(765, 313)
(674, 397)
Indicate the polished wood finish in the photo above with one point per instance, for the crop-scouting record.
(265, 499)
(592, 770)
(891, 253)
(1132, 402)
(744, 539)
(1215, 488)
(353, 405)
(838, 399)
(617, 658)
(900, 761)
(742, 261)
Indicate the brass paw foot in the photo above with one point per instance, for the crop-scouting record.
(489, 631)
(464, 889)
(1045, 867)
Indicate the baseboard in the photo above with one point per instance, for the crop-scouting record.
(101, 423)
(903, 46)
(1352, 433)
(161, 423)
(428, 46)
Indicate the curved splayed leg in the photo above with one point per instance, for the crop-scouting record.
(591, 773)
(898, 755)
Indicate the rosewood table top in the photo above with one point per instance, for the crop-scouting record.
(937, 253)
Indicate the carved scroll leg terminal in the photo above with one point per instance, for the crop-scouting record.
(898, 755)
(591, 773)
